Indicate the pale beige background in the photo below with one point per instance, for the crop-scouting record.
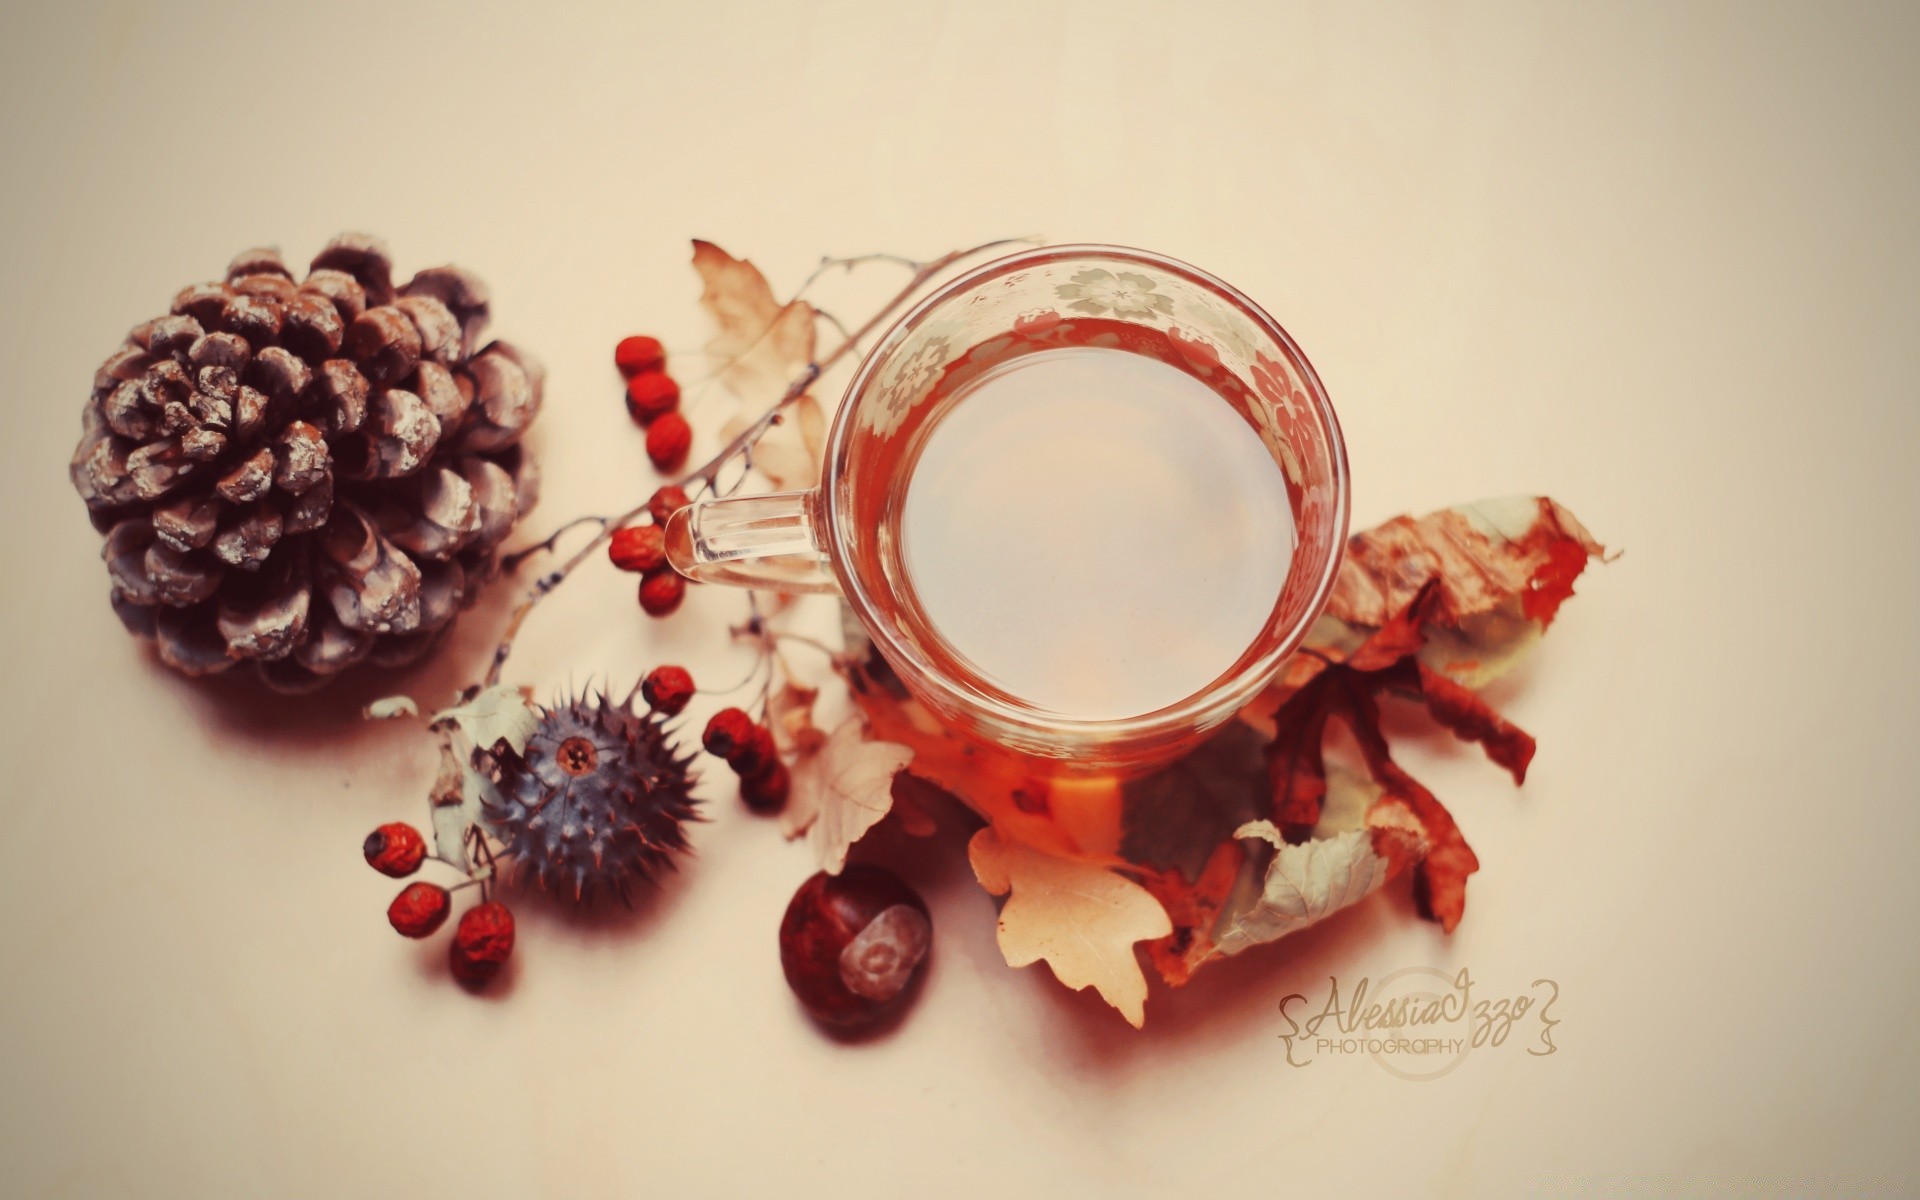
(1659, 260)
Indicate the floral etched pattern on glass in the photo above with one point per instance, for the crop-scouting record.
(1097, 291)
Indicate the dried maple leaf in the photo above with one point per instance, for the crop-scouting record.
(1079, 916)
(761, 343)
(790, 719)
(842, 790)
(789, 452)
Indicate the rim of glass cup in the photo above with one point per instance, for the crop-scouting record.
(1117, 734)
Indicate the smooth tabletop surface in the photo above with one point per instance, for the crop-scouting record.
(1658, 261)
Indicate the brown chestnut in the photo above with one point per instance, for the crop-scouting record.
(852, 944)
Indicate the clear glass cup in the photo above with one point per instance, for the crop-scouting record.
(842, 536)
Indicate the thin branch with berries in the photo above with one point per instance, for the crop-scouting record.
(706, 474)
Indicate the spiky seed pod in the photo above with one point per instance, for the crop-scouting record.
(307, 475)
(596, 803)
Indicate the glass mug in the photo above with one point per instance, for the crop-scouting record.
(846, 534)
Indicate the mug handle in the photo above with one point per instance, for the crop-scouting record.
(765, 542)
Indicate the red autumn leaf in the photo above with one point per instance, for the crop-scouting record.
(1470, 718)
(1400, 635)
(1427, 608)
(1296, 763)
(1482, 554)
(1295, 760)
(1298, 769)
(1440, 881)
(1483, 578)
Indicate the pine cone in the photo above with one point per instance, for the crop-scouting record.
(307, 475)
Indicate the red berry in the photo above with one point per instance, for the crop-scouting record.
(652, 395)
(395, 849)
(668, 440)
(756, 755)
(638, 548)
(419, 909)
(661, 591)
(667, 690)
(481, 943)
(726, 732)
(766, 792)
(639, 353)
(851, 943)
(666, 502)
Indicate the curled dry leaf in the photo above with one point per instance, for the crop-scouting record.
(1306, 882)
(1259, 885)
(1498, 571)
(842, 790)
(1079, 916)
(760, 343)
(1426, 609)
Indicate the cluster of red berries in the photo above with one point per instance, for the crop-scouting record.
(484, 937)
(748, 748)
(642, 549)
(653, 398)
